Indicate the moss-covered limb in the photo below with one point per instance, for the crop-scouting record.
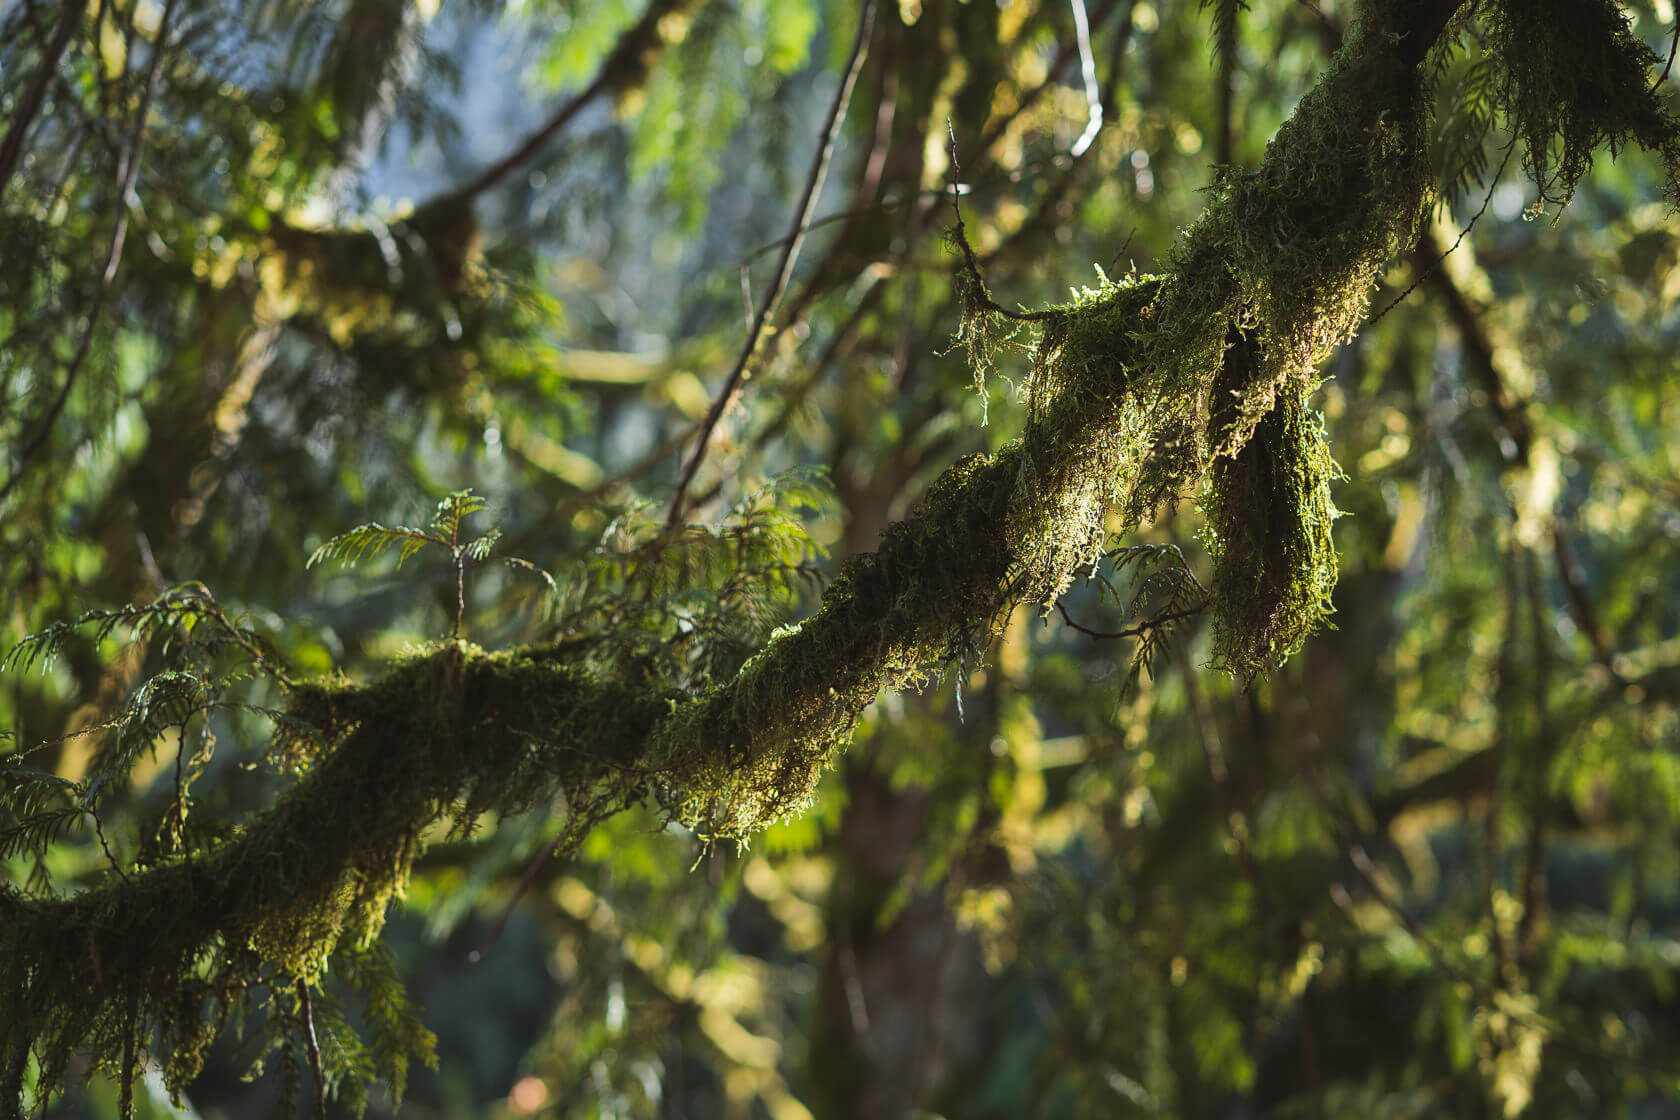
(442, 737)
(1269, 515)
(1134, 391)
(1120, 391)
(1288, 251)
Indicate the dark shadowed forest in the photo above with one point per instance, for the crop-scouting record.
(830, 559)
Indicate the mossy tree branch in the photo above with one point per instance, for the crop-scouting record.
(1133, 395)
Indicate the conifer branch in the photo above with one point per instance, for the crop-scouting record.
(128, 175)
(24, 113)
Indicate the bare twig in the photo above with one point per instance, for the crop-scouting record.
(784, 264)
(1088, 70)
(1329, 23)
(104, 845)
(1137, 631)
(1427, 270)
(519, 891)
(1673, 45)
(239, 639)
(971, 265)
(840, 216)
(306, 1024)
(130, 174)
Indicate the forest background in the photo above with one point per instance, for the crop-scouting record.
(269, 272)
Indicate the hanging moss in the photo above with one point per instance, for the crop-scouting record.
(1288, 253)
(1578, 79)
(1269, 513)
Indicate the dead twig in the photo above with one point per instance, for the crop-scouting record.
(1137, 631)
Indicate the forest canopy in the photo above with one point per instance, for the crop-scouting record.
(811, 559)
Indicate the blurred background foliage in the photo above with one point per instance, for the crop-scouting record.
(271, 270)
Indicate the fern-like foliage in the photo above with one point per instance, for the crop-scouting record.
(204, 652)
(187, 614)
(36, 807)
(1466, 78)
(1225, 16)
(373, 539)
(1164, 594)
(702, 598)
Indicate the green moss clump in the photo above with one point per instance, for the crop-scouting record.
(1577, 79)
(1269, 514)
(1288, 253)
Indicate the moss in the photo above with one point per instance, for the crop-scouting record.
(1269, 513)
(1577, 79)
(444, 735)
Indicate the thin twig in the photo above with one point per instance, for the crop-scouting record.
(519, 891)
(130, 174)
(784, 263)
(307, 1026)
(1088, 70)
(1324, 19)
(1673, 45)
(971, 265)
(881, 207)
(105, 846)
(239, 639)
(1424, 273)
(1137, 631)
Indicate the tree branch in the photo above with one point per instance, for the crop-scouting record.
(23, 116)
(1137, 631)
(784, 263)
(626, 65)
(457, 732)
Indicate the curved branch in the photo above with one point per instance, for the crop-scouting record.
(23, 115)
(458, 732)
(626, 65)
